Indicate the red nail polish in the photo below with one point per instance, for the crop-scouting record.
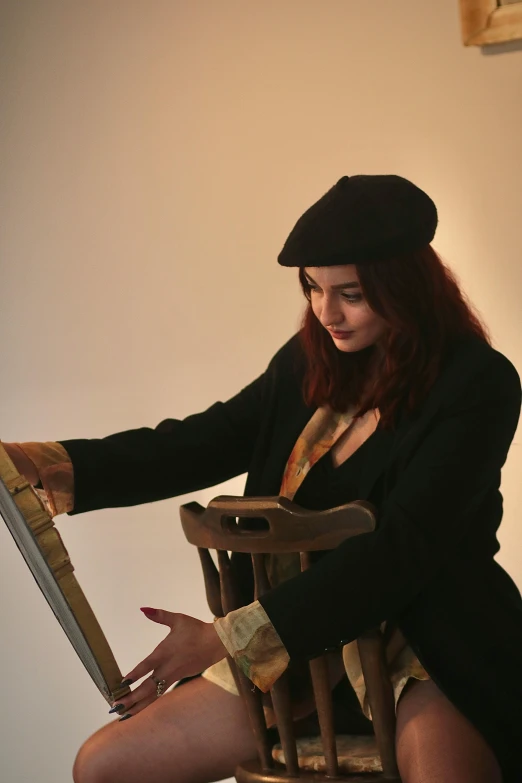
(148, 611)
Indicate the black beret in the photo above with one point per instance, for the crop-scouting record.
(361, 219)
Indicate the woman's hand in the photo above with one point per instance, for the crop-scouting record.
(190, 646)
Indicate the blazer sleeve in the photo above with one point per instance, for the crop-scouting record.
(173, 458)
(425, 520)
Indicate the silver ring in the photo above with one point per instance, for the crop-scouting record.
(161, 686)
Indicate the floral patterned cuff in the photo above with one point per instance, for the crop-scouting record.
(254, 644)
(55, 469)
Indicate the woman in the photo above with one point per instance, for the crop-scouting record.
(391, 392)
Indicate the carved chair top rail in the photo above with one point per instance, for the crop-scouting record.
(288, 527)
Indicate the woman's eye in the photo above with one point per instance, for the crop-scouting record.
(352, 298)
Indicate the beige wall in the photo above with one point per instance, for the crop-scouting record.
(154, 157)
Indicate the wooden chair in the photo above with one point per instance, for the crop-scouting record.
(274, 525)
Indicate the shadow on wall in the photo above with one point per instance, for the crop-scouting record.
(502, 48)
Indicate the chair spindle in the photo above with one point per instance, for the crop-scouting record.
(252, 696)
(261, 580)
(279, 692)
(212, 583)
(323, 699)
(380, 697)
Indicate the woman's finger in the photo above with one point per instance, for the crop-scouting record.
(160, 616)
(147, 690)
(166, 650)
(138, 707)
(143, 691)
(140, 698)
(142, 669)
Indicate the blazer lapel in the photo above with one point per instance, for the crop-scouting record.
(376, 459)
(466, 358)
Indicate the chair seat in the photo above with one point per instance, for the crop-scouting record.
(356, 754)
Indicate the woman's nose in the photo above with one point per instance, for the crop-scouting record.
(330, 313)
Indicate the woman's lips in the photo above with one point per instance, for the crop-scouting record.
(340, 335)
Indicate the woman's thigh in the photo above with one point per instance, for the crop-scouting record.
(436, 744)
(193, 734)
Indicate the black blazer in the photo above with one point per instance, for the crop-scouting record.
(428, 566)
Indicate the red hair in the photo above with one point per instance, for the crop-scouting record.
(421, 300)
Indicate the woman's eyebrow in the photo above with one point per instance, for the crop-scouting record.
(351, 284)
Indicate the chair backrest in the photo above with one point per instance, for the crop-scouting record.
(288, 528)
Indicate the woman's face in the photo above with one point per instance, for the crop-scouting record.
(339, 305)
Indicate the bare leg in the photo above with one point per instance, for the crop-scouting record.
(193, 734)
(436, 743)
